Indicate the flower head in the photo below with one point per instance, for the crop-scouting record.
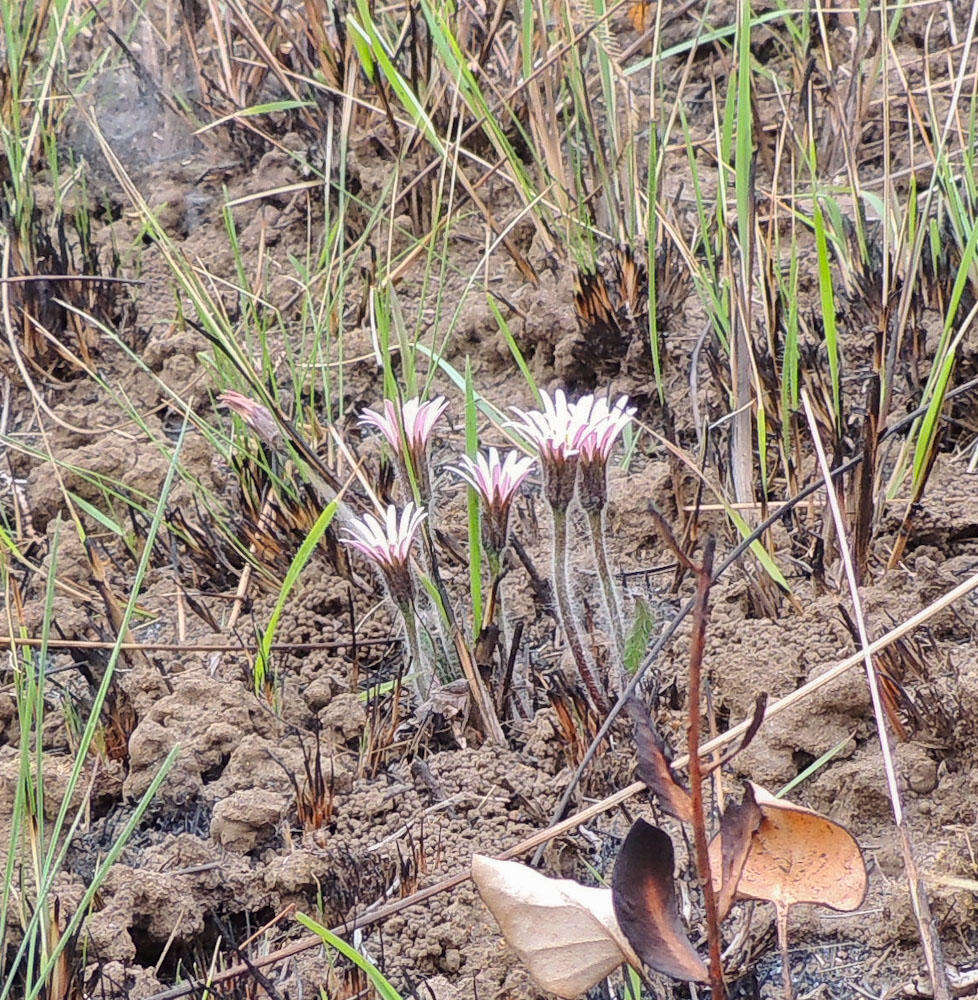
(418, 418)
(601, 425)
(496, 481)
(256, 416)
(388, 544)
(556, 432)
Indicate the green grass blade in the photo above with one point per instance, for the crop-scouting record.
(376, 977)
(475, 525)
(827, 300)
(130, 608)
(96, 515)
(58, 844)
(492, 412)
(298, 564)
(762, 554)
(254, 111)
(103, 869)
(812, 768)
(515, 351)
(365, 28)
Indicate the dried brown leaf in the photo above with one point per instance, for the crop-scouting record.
(653, 768)
(798, 856)
(566, 934)
(760, 707)
(644, 895)
(59, 984)
(738, 825)
(640, 14)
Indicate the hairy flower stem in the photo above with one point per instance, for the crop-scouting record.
(423, 671)
(567, 621)
(612, 605)
(495, 608)
(440, 602)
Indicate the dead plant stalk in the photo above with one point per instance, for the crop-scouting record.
(697, 644)
(918, 894)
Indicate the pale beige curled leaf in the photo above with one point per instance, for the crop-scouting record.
(566, 934)
(797, 855)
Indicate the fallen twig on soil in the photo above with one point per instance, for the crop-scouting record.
(189, 647)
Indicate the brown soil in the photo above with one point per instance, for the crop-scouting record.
(221, 852)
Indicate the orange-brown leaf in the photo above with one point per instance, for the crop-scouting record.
(738, 825)
(640, 15)
(799, 856)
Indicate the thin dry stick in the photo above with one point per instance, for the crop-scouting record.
(606, 804)
(781, 912)
(491, 725)
(918, 894)
(188, 647)
(696, 646)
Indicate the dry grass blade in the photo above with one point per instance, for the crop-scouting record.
(60, 983)
(482, 699)
(918, 893)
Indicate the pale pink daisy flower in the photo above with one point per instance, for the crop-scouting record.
(497, 482)
(388, 543)
(555, 431)
(419, 421)
(601, 426)
(256, 416)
